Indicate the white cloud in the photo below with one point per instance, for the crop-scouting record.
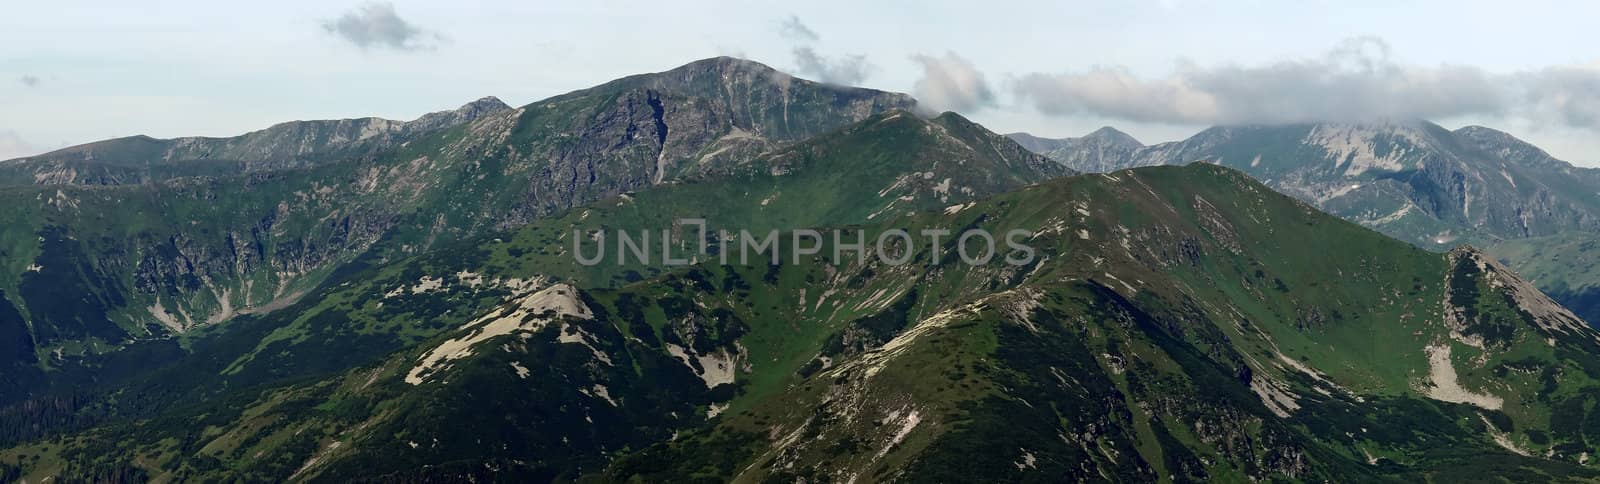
(951, 83)
(848, 70)
(376, 25)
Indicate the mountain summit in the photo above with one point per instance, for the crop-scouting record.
(1104, 149)
(759, 99)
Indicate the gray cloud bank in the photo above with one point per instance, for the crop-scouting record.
(1356, 81)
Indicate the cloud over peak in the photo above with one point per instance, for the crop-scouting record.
(951, 83)
(845, 70)
(793, 29)
(376, 25)
(1357, 80)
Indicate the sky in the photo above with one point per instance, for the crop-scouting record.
(74, 72)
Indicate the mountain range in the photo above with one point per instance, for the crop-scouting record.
(409, 306)
(1412, 180)
(150, 259)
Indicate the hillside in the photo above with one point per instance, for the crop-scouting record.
(151, 260)
(887, 165)
(1173, 326)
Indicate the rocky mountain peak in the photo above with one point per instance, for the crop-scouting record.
(750, 96)
(480, 107)
(1503, 145)
(467, 113)
(1535, 307)
(1104, 136)
(486, 102)
(728, 64)
(1109, 134)
(1101, 150)
(1484, 132)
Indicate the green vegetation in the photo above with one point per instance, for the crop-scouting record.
(429, 321)
(1173, 336)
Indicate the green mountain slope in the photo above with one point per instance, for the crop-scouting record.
(1182, 323)
(888, 165)
(147, 261)
(1182, 336)
(1564, 267)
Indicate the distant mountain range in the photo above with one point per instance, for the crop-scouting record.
(1104, 150)
(296, 144)
(407, 306)
(1412, 180)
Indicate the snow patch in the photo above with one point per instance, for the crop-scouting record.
(574, 335)
(1501, 439)
(907, 424)
(1275, 395)
(716, 368)
(159, 311)
(427, 284)
(603, 393)
(1355, 147)
(538, 309)
(1445, 388)
(1028, 461)
(955, 209)
(1393, 217)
